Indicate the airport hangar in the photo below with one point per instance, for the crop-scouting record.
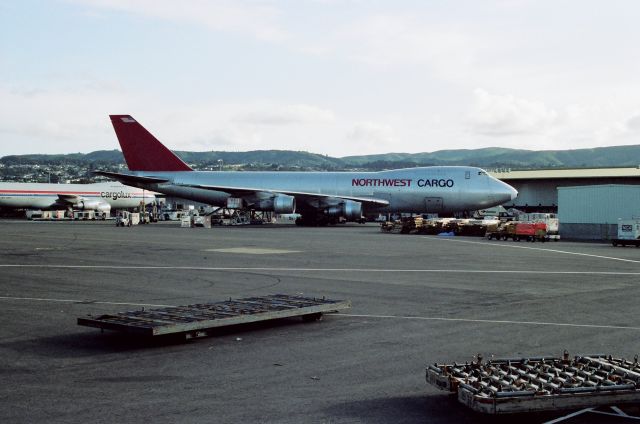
(588, 201)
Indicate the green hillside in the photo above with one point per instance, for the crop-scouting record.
(617, 156)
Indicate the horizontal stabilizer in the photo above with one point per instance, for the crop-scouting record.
(131, 179)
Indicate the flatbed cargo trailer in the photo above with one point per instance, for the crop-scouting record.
(502, 386)
(196, 320)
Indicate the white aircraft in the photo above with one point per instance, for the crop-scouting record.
(101, 197)
(319, 197)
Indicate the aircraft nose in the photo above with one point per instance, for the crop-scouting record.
(506, 192)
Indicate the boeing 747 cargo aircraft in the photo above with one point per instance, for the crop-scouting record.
(101, 197)
(319, 197)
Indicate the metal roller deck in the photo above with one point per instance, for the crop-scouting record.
(195, 320)
(502, 386)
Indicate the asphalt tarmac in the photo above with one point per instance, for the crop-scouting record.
(416, 300)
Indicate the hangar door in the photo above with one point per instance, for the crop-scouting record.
(433, 204)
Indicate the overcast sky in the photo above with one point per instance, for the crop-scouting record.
(336, 77)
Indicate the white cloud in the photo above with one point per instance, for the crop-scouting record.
(256, 18)
(500, 115)
(341, 77)
(633, 123)
(402, 40)
(53, 120)
(286, 115)
(370, 136)
(63, 120)
(623, 130)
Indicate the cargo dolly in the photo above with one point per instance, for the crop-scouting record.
(197, 320)
(502, 386)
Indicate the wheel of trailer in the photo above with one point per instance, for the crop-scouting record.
(614, 244)
(312, 317)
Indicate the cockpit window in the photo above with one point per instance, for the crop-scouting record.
(482, 173)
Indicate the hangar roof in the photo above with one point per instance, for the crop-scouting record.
(540, 174)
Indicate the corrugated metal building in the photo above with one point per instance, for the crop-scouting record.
(592, 212)
(538, 189)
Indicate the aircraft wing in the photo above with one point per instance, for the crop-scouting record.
(68, 198)
(305, 196)
(128, 178)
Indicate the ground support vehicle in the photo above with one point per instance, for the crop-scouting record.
(127, 219)
(199, 319)
(84, 215)
(148, 217)
(475, 227)
(549, 219)
(530, 231)
(502, 386)
(504, 231)
(628, 233)
(54, 215)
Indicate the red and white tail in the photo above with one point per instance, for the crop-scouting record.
(142, 151)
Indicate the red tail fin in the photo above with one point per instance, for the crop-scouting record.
(142, 151)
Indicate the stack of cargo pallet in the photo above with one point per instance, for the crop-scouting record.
(412, 225)
(386, 226)
(431, 227)
(394, 227)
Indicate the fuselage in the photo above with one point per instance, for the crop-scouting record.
(48, 196)
(427, 189)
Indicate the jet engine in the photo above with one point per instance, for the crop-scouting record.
(278, 204)
(95, 205)
(350, 209)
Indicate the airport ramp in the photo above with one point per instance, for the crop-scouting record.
(197, 320)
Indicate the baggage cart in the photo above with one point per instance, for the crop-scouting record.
(502, 386)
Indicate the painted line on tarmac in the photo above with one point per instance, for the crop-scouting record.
(537, 248)
(287, 269)
(488, 321)
(84, 302)
(398, 317)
